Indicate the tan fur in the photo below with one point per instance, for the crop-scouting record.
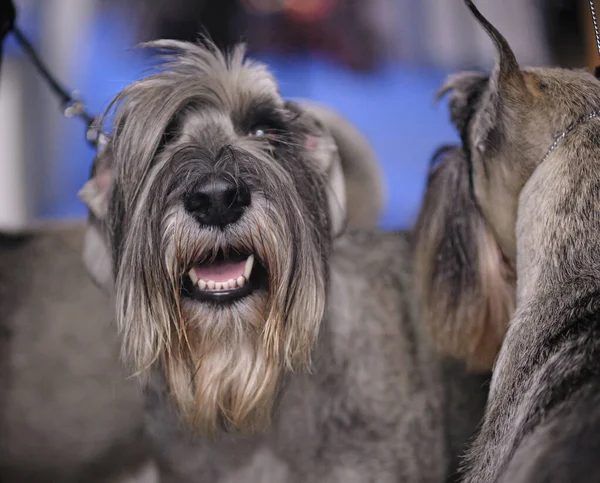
(497, 304)
(466, 288)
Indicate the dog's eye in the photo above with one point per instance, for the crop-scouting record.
(257, 132)
(260, 131)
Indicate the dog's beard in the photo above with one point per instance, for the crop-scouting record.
(222, 362)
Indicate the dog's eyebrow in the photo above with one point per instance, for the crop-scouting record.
(262, 113)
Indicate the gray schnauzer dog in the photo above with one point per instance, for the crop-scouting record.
(221, 207)
(519, 264)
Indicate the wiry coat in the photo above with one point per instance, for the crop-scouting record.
(372, 406)
(370, 410)
(530, 188)
(67, 412)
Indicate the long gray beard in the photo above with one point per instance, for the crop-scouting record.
(222, 363)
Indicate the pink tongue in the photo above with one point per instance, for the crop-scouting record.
(220, 271)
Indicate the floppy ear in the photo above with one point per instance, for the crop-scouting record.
(337, 198)
(359, 171)
(95, 191)
(465, 287)
(323, 151)
(96, 258)
(95, 194)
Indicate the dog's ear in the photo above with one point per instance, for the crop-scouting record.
(494, 94)
(357, 190)
(323, 152)
(97, 257)
(365, 187)
(465, 90)
(507, 79)
(465, 286)
(337, 197)
(95, 191)
(95, 194)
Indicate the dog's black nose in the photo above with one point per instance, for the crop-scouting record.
(218, 200)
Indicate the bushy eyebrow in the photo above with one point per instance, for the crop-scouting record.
(260, 113)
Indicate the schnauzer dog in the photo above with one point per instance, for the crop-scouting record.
(222, 209)
(517, 241)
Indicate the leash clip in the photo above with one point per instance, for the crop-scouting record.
(74, 107)
(96, 136)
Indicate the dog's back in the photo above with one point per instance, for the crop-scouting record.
(555, 426)
(564, 447)
(67, 412)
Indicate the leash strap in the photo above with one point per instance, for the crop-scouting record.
(71, 105)
(7, 21)
(595, 22)
(568, 131)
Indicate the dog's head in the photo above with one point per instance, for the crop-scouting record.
(466, 244)
(218, 202)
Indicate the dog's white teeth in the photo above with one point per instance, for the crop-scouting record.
(248, 267)
(229, 284)
(193, 276)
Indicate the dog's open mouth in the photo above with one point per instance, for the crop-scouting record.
(224, 279)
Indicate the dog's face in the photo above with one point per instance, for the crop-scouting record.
(213, 197)
(466, 231)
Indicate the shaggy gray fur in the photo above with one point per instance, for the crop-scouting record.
(373, 406)
(532, 207)
(67, 413)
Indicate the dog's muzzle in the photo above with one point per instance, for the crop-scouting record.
(217, 201)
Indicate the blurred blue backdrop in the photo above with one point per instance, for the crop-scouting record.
(393, 106)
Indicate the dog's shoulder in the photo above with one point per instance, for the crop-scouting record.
(372, 360)
(375, 253)
(42, 261)
(371, 321)
(371, 279)
(564, 447)
(55, 241)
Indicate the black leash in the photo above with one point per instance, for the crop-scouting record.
(7, 21)
(595, 22)
(71, 105)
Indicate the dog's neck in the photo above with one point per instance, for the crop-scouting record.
(558, 223)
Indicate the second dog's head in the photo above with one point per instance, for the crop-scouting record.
(212, 195)
(466, 243)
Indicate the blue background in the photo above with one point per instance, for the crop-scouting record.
(394, 107)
